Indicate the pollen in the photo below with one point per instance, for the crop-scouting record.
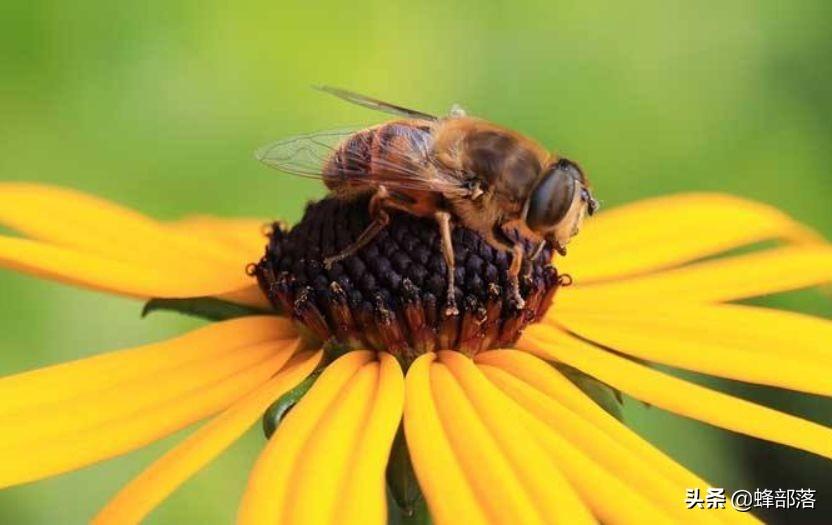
(390, 294)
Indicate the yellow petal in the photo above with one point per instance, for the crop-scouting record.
(244, 235)
(109, 406)
(109, 275)
(645, 236)
(559, 391)
(546, 394)
(66, 381)
(319, 473)
(33, 461)
(139, 497)
(754, 274)
(89, 242)
(484, 424)
(610, 500)
(72, 219)
(362, 499)
(737, 342)
(266, 497)
(617, 485)
(249, 295)
(677, 395)
(497, 486)
(447, 491)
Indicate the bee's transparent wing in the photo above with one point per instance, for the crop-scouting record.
(374, 103)
(303, 155)
(410, 168)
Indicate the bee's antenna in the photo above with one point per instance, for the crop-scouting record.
(592, 203)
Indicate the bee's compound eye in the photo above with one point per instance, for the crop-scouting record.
(552, 197)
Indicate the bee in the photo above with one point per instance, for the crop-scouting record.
(455, 169)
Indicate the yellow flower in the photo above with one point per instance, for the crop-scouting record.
(501, 438)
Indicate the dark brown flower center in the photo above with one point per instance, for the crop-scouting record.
(390, 295)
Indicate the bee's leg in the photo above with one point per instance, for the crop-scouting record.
(552, 241)
(380, 221)
(531, 257)
(517, 256)
(537, 251)
(443, 218)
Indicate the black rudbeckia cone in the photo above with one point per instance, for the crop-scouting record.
(390, 295)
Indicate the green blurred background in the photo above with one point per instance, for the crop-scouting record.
(159, 105)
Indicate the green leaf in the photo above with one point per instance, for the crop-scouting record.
(604, 395)
(419, 514)
(403, 486)
(209, 308)
(278, 410)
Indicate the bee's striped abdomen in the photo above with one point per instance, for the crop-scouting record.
(350, 162)
(378, 154)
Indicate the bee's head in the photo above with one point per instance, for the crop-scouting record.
(558, 203)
